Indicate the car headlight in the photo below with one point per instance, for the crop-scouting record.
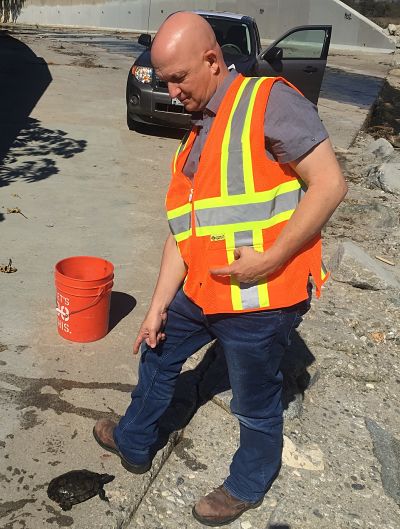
(143, 74)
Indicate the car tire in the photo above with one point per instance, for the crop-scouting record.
(131, 123)
(136, 125)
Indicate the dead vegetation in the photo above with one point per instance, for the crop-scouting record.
(8, 268)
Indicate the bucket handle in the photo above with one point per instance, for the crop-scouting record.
(103, 289)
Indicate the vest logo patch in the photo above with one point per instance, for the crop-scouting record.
(218, 237)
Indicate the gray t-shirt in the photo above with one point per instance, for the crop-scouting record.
(292, 126)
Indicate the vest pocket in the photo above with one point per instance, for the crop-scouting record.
(239, 296)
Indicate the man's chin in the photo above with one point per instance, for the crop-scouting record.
(191, 106)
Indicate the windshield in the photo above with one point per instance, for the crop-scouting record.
(232, 35)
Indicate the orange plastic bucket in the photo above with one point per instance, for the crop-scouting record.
(83, 286)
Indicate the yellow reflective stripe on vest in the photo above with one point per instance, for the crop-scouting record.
(183, 236)
(247, 161)
(180, 148)
(227, 139)
(177, 153)
(181, 210)
(180, 219)
(235, 285)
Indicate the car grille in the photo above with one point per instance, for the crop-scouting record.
(177, 109)
(160, 84)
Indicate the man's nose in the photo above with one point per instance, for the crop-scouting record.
(173, 90)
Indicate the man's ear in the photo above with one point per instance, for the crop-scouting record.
(211, 58)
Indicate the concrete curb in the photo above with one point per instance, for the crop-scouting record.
(141, 485)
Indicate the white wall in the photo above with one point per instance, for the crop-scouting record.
(273, 16)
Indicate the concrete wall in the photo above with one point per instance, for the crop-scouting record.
(273, 16)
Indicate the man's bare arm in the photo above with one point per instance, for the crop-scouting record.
(326, 188)
(172, 273)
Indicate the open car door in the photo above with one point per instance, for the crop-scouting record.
(299, 56)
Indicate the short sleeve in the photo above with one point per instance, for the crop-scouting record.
(292, 126)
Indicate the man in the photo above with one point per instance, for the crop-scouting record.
(246, 203)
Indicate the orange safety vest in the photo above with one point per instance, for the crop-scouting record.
(238, 197)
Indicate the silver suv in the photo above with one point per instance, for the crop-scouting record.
(299, 55)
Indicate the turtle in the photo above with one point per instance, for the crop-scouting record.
(77, 486)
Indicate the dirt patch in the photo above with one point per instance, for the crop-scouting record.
(30, 395)
(10, 506)
(182, 451)
(86, 63)
(29, 419)
(60, 519)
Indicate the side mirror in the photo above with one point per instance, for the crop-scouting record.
(145, 40)
(273, 54)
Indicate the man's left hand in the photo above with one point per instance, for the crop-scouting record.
(249, 266)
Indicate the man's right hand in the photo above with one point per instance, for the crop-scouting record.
(172, 273)
(151, 330)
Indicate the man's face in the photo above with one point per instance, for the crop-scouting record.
(190, 80)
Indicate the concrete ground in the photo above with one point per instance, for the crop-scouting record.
(85, 185)
(351, 84)
(88, 186)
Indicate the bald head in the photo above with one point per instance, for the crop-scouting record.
(182, 31)
(185, 54)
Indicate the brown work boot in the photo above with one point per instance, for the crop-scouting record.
(220, 508)
(103, 433)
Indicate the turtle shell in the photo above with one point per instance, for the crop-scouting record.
(77, 486)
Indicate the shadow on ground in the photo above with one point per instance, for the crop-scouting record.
(24, 78)
(350, 87)
(27, 149)
(120, 306)
(210, 378)
(31, 156)
(162, 132)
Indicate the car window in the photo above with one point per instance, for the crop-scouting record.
(303, 44)
(232, 36)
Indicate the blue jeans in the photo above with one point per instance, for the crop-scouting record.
(254, 344)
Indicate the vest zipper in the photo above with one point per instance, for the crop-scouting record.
(191, 195)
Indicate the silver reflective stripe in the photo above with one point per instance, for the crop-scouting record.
(180, 224)
(249, 295)
(235, 156)
(243, 238)
(248, 212)
(248, 292)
